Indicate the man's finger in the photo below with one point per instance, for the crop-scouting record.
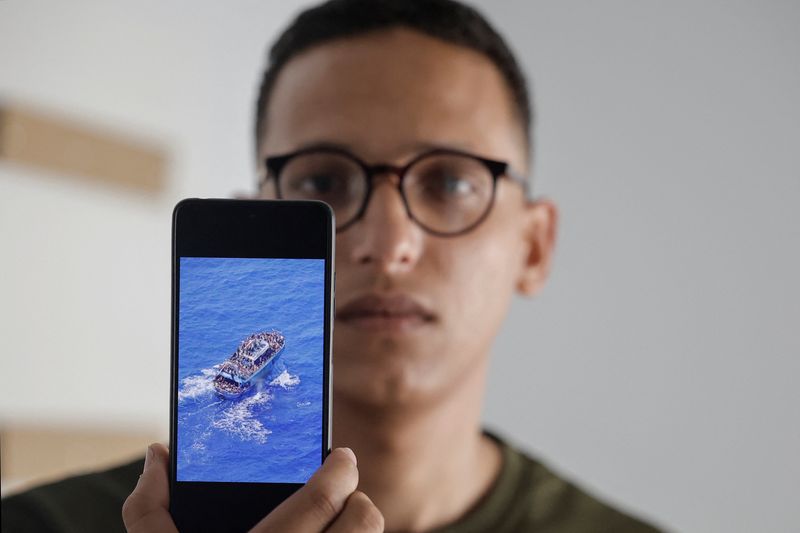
(359, 514)
(147, 508)
(316, 504)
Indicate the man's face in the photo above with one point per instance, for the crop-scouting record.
(387, 97)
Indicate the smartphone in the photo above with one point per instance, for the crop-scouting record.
(252, 308)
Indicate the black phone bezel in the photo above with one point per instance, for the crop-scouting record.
(241, 228)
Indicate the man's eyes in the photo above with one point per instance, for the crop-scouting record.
(321, 184)
(436, 185)
(448, 185)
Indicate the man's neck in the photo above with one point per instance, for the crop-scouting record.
(422, 467)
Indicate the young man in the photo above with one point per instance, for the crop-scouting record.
(412, 120)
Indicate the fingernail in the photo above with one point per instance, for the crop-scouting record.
(148, 457)
(350, 454)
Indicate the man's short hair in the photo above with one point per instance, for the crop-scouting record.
(447, 20)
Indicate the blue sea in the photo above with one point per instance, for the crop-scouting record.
(273, 432)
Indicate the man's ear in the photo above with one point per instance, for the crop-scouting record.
(541, 224)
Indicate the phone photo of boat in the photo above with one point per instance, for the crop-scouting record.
(251, 360)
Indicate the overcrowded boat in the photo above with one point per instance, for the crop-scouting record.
(252, 359)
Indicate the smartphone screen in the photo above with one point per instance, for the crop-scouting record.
(250, 368)
(252, 301)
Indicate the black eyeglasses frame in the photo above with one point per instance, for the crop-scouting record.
(498, 169)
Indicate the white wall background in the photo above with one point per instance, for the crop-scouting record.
(660, 365)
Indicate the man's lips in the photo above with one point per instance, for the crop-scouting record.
(385, 310)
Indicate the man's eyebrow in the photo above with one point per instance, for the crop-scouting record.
(426, 146)
(404, 150)
(326, 145)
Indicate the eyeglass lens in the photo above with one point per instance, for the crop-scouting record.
(445, 193)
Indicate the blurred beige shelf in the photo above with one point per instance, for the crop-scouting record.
(75, 148)
(34, 455)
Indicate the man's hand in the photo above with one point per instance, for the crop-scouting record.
(328, 502)
(147, 508)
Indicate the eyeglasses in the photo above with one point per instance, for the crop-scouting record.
(446, 192)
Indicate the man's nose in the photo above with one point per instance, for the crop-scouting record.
(386, 237)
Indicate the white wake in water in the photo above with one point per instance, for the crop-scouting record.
(196, 386)
(239, 420)
(285, 380)
(241, 417)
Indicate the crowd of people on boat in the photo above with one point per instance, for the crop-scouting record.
(254, 344)
(243, 365)
(226, 385)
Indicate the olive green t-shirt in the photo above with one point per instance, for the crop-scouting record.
(525, 497)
